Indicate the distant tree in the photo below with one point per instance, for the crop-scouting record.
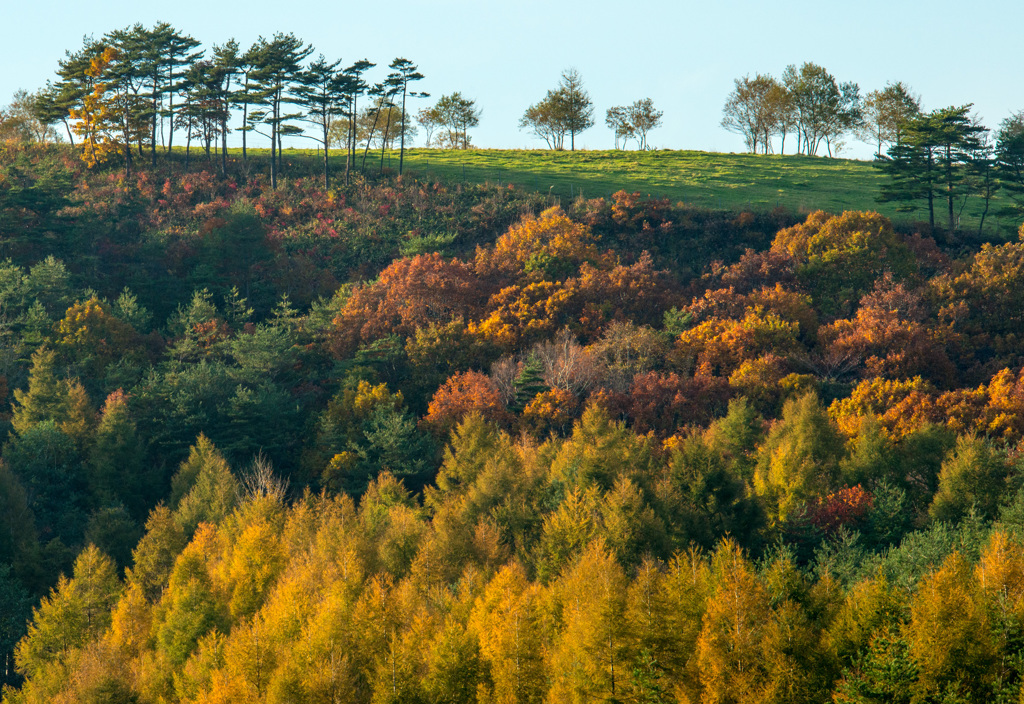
(226, 65)
(565, 110)
(782, 114)
(204, 112)
(21, 120)
(455, 115)
(321, 90)
(618, 123)
(545, 121)
(825, 110)
(885, 112)
(748, 111)
(356, 87)
(404, 73)
(371, 122)
(644, 118)
(276, 63)
(426, 118)
(1010, 156)
(634, 121)
(575, 105)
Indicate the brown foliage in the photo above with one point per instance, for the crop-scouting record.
(665, 402)
(888, 338)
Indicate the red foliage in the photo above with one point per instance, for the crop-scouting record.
(844, 507)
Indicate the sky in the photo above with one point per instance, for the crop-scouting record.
(683, 55)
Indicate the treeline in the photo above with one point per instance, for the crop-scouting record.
(945, 156)
(130, 92)
(209, 381)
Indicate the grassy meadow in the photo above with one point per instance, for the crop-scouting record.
(703, 179)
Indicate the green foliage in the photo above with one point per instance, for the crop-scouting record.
(75, 611)
(973, 477)
(205, 490)
(799, 458)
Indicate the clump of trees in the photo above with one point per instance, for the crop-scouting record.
(451, 117)
(565, 110)
(634, 122)
(807, 102)
(132, 91)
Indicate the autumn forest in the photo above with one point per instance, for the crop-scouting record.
(274, 436)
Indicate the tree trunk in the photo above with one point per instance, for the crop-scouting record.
(349, 145)
(931, 193)
(369, 138)
(67, 126)
(155, 111)
(170, 110)
(401, 151)
(384, 142)
(188, 143)
(273, 141)
(245, 115)
(224, 130)
(949, 185)
(327, 141)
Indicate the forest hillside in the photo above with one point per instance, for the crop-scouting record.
(408, 440)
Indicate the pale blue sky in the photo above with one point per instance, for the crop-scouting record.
(684, 55)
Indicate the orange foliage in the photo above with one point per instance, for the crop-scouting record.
(888, 338)
(839, 508)
(901, 406)
(754, 270)
(409, 294)
(461, 394)
(727, 303)
(995, 409)
(720, 346)
(587, 304)
(519, 313)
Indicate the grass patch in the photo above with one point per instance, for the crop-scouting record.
(703, 179)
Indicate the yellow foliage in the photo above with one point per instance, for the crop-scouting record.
(550, 235)
(95, 121)
(902, 406)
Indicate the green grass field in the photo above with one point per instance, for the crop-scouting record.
(710, 180)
